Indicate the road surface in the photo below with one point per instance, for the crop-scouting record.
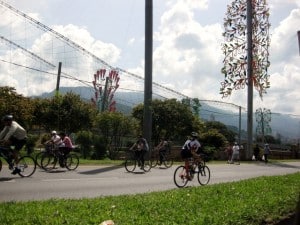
(96, 181)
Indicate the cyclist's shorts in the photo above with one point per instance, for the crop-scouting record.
(186, 153)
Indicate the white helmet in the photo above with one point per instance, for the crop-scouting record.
(53, 132)
(194, 134)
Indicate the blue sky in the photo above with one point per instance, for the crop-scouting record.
(191, 64)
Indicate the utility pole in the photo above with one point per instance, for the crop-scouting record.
(147, 121)
(58, 79)
(298, 33)
(250, 79)
(240, 124)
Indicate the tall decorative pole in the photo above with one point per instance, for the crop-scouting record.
(105, 86)
(250, 78)
(263, 119)
(246, 53)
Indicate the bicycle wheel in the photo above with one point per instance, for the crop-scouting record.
(203, 175)
(130, 165)
(72, 161)
(180, 175)
(154, 162)
(48, 161)
(147, 165)
(38, 159)
(26, 165)
(168, 162)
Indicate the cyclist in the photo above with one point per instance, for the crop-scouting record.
(13, 134)
(140, 147)
(55, 141)
(190, 149)
(65, 147)
(162, 148)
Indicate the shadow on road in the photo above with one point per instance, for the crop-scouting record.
(100, 170)
(281, 164)
(3, 179)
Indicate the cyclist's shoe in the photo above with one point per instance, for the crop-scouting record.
(62, 163)
(16, 170)
(10, 166)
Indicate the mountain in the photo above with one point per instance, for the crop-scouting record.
(284, 125)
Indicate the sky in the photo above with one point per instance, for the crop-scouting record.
(187, 39)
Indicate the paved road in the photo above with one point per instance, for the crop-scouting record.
(95, 181)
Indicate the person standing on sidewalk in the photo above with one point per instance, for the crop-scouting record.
(235, 154)
(266, 152)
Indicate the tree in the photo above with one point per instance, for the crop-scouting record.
(114, 126)
(213, 138)
(170, 118)
(222, 129)
(85, 139)
(19, 106)
(64, 112)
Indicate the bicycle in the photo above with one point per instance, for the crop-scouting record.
(167, 161)
(198, 167)
(26, 164)
(52, 156)
(39, 155)
(133, 160)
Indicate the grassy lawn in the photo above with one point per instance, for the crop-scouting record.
(256, 201)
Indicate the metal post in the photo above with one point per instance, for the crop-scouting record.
(240, 123)
(58, 78)
(250, 79)
(147, 122)
(104, 96)
(298, 33)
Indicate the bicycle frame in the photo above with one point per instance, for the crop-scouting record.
(25, 165)
(5, 154)
(134, 159)
(196, 167)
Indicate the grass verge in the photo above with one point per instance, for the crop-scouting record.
(262, 200)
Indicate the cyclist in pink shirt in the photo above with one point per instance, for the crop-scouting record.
(65, 148)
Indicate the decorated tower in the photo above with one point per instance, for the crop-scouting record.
(105, 85)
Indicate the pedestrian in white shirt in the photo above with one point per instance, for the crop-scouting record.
(235, 154)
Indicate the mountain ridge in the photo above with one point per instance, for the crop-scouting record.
(281, 125)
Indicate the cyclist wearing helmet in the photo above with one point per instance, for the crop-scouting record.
(13, 134)
(190, 148)
(55, 141)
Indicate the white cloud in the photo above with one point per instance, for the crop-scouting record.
(187, 52)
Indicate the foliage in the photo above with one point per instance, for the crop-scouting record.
(17, 105)
(194, 104)
(268, 139)
(60, 113)
(30, 143)
(264, 200)
(114, 126)
(170, 118)
(222, 129)
(85, 140)
(99, 147)
(235, 47)
(213, 138)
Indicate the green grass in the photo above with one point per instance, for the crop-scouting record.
(255, 201)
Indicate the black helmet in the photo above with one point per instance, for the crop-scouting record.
(7, 118)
